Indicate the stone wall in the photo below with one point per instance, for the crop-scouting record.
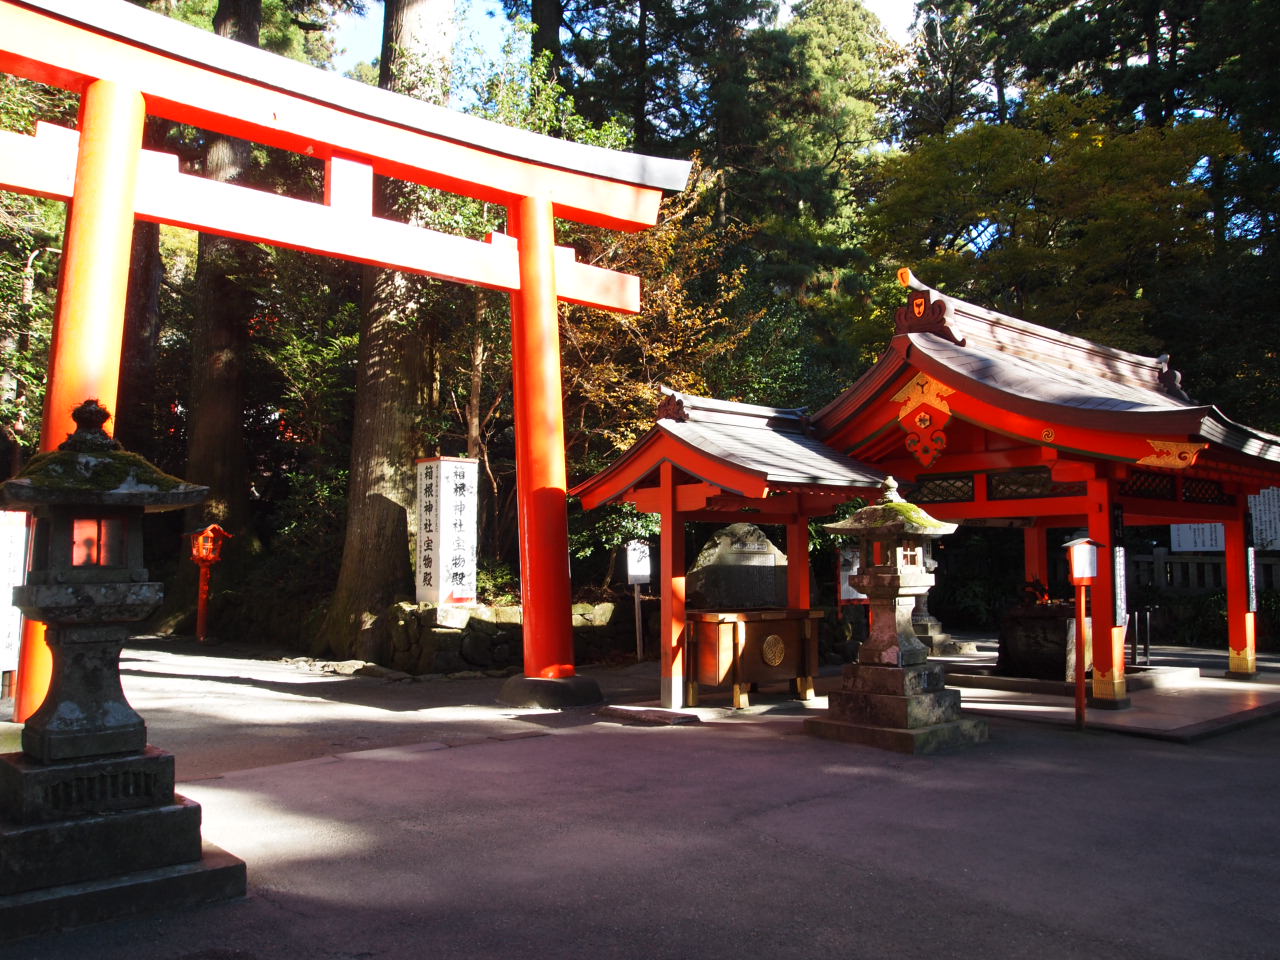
(421, 639)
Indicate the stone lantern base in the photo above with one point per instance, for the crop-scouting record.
(906, 709)
(100, 838)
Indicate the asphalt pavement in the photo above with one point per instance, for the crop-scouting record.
(416, 819)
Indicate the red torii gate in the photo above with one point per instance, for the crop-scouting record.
(127, 63)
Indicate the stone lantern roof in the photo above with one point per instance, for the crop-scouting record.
(91, 469)
(891, 516)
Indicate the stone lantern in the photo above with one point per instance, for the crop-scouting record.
(892, 697)
(87, 801)
(895, 542)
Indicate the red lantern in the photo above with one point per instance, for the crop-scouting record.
(206, 545)
(206, 550)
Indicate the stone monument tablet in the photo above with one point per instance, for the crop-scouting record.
(738, 568)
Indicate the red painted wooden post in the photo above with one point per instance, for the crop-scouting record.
(1241, 638)
(88, 329)
(1035, 554)
(541, 489)
(1107, 637)
(798, 564)
(675, 668)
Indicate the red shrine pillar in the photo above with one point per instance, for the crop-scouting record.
(1241, 637)
(675, 669)
(798, 563)
(88, 326)
(541, 487)
(1109, 688)
(1035, 553)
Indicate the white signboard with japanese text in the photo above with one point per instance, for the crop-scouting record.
(1196, 537)
(13, 566)
(639, 568)
(446, 554)
(1265, 508)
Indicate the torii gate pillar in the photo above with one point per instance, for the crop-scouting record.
(541, 486)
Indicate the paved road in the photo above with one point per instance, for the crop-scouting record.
(457, 834)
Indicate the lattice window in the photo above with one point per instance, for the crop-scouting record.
(1029, 484)
(954, 489)
(1200, 490)
(1150, 486)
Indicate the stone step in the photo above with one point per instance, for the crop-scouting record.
(946, 646)
(962, 732)
(894, 681)
(882, 710)
(215, 876)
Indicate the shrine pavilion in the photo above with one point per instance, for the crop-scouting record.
(981, 417)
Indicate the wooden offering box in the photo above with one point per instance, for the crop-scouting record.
(754, 646)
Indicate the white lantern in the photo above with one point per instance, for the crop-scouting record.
(1082, 554)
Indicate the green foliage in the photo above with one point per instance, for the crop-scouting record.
(979, 576)
(30, 239)
(297, 29)
(497, 584)
(607, 528)
(1108, 169)
(1057, 218)
(823, 543)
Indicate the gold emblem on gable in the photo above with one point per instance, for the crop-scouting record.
(922, 389)
(1171, 455)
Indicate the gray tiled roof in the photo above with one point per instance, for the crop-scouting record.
(1037, 363)
(768, 441)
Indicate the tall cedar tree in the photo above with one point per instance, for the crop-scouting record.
(375, 553)
(217, 453)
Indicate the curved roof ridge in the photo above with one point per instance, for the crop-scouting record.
(688, 407)
(981, 328)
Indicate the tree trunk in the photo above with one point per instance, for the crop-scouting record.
(217, 454)
(375, 565)
(135, 420)
(640, 105)
(474, 395)
(375, 552)
(548, 16)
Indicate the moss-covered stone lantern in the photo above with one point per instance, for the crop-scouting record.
(87, 580)
(893, 697)
(896, 542)
(90, 825)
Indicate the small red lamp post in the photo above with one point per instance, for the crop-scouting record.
(206, 550)
(1082, 555)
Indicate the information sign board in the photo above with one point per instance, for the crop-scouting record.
(446, 552)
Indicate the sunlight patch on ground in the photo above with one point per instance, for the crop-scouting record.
(255, 825)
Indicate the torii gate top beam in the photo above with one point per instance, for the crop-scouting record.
(194, 77)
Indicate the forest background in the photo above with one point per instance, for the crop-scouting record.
(1108, 169)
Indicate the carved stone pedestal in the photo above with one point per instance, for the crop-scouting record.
(905, 709)
(97, 838)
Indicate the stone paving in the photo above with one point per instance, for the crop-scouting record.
(407, 820)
